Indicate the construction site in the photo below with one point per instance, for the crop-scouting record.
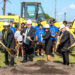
(20, 15)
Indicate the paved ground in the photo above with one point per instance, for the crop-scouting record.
(39, 68)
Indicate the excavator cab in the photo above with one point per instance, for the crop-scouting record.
(33, 11)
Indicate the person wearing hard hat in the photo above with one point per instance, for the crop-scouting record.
(48, 41)
(28, 34)
(39, 36)
(64, 44)
(62, 26)
(9, 41)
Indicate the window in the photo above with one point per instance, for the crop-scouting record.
(32, 11)
(40, 13)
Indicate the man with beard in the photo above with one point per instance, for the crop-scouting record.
(38, 24)
(53, 31)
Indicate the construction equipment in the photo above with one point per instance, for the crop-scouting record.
(29, 10)
(33, 11)
(72, 29)
(8, 19)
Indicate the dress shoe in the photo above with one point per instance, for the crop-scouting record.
(24, 61)
(7, 63)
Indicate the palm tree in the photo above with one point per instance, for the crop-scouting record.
(4, 6)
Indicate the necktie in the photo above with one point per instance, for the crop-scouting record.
(26, 34)
(5, 38)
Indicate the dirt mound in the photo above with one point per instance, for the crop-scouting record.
(38, 68)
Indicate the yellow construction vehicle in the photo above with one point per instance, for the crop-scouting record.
(72, 29)
(29, 10)
(57, 24)
(33, 11)
(9, 18)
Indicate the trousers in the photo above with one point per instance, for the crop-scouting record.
(7, 61)
(28, 52)
(65, 55)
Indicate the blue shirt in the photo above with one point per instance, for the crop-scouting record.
(37, 28)
(33, 27)
(53, 31)
(13, 29)
(38, 34)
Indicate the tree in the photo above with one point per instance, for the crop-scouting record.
(48, 17)
(11, 14)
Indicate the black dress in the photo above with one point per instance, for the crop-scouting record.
(48, 42)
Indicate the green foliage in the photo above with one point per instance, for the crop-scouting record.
(11, 14)
(48, 17)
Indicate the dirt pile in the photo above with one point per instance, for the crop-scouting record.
(38, 68)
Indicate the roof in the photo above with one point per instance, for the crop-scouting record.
(30, 2)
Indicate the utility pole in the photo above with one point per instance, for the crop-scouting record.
(64, 16)
(55, 8)
(4, 6)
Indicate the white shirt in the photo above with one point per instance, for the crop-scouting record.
(18, 36)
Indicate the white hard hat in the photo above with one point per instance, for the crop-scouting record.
(5, 24)
(62, 26)
(47, 26)
(29, 21)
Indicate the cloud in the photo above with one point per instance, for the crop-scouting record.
(72, 6)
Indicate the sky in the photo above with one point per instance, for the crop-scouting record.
(68, 6)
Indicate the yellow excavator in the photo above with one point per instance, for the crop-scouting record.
(33, 11)
(29, 10)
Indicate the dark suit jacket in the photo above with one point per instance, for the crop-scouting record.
(48, 42)
(64, 42)
(47, 37)
(10, 39)
(31, 33)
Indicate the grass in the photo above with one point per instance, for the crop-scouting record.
(56, 58)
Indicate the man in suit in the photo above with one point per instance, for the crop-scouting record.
(28, 33)
(9, 41)
(64, 44)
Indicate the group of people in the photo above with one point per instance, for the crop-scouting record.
(26, 37)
